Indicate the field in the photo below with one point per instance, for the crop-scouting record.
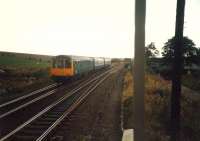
(157, 109)
(14, 60)
(20, 73)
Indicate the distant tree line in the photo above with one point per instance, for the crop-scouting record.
(191, 56)
(7, 54)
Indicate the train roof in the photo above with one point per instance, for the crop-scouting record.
(81, 57)
(74, 57)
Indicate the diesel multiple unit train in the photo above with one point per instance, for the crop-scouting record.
(65, 66)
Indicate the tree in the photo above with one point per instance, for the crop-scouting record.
(151, 51)
(197, 60)
(150, 55)
(189, 52)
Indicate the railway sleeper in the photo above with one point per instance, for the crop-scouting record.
(63, 107)
(50, 119)
(23, 138)
(65, 124)
(47, 123)
(31, 132)
(59, 110)
(36, 127)
(53, 115)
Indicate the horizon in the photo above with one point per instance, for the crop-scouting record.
(60, 54)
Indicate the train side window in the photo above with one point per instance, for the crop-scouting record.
(54, 63)
(59, 64)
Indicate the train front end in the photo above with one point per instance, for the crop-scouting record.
(62, 68)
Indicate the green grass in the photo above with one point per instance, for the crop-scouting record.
(14, 61)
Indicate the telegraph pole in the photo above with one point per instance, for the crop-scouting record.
(177, 71)
(140, 11)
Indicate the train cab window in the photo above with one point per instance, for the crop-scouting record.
(58, 63)
(61, 62)
(67, 63)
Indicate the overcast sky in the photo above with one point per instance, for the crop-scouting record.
(88, 27)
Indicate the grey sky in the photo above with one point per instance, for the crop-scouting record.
(89, 27)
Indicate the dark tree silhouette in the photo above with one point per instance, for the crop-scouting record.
(151, 51)
(197, 59)
(189, 52)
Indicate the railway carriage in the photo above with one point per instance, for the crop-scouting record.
(99, 63)
(107, 62)
(82, 64)
(65, 66)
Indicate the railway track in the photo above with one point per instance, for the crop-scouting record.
(19, 103)
(28, 95)
(14, 105)
(41, 124)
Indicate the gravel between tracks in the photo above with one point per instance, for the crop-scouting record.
(98, 118)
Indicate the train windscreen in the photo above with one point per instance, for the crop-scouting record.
(61, 63)
(68, 63)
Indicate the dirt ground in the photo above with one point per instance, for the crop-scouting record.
(17, 82)
(98, 118)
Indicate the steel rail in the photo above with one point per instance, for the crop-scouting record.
(67, 95)
(30, 94)
(70, 109)
(27, 103)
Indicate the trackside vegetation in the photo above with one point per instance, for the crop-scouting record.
(157, 109)
(18, 60)
(21, 73)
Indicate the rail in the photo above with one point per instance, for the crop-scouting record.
(66, 96)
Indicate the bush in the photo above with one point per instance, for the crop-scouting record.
(157, 111)
(192, 80)
(41, 73)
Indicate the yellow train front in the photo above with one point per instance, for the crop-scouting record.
(65, 67)
(62, 67)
